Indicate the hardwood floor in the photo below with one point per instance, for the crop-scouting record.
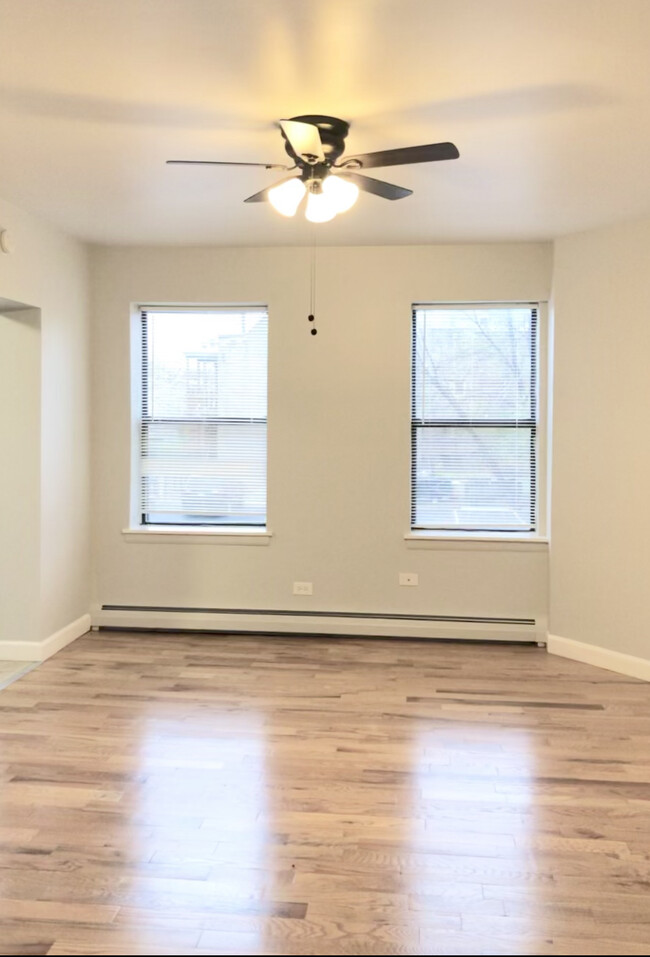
(168, 794)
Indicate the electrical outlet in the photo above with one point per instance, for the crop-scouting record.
(303, 588)
(408, 578)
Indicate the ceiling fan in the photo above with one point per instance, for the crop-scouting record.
(315, 144)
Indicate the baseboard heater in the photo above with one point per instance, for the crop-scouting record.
(343, 623)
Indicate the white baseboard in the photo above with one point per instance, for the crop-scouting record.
(600, 657)
(42, 650)
(264, 623)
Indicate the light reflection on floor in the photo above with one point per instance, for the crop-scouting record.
(476, 824)
(204, 784)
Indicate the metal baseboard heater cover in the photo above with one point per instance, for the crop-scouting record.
(294, 613)
(344, 624)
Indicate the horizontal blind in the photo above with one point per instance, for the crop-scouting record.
(474, 418)
(203, 423)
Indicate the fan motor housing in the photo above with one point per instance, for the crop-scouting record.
(332, 134)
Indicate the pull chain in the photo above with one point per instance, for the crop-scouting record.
(312, 285)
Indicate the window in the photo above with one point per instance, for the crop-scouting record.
(474, 418)
(203, 416)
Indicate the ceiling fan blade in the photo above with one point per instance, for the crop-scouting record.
(263, 195)
(228, 163)
(400, 157)
(304, 140)
(377, 186)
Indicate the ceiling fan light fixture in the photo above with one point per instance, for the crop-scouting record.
(341, 192)
(320, 207)
(316, 146)
(287, 196)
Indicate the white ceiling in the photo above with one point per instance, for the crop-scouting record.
(548, 102)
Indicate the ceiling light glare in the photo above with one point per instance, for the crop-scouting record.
(342, 193)
(320, 208)
(286, 197)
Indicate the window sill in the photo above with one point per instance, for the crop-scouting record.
(467, 541)
(181, 535)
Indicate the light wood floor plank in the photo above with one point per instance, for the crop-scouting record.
(168, 793)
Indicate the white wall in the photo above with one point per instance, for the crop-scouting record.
(48, 271)
(600, 565)
(338, 431)
(338, 427)
(20, 486)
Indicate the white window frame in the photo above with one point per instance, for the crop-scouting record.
(443, 538)
(136, 531)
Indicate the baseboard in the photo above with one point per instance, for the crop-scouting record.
(325, 624)
(600, 657)
(42, 650)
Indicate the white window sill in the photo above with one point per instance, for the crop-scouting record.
(479, 541)
(183, 534)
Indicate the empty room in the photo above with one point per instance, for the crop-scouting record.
(323, 539)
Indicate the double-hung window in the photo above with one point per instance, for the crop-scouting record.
(474, 418)
(203, 416)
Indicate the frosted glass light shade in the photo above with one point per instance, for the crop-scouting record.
(320, 208)
(342, 193)
(286, 197)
